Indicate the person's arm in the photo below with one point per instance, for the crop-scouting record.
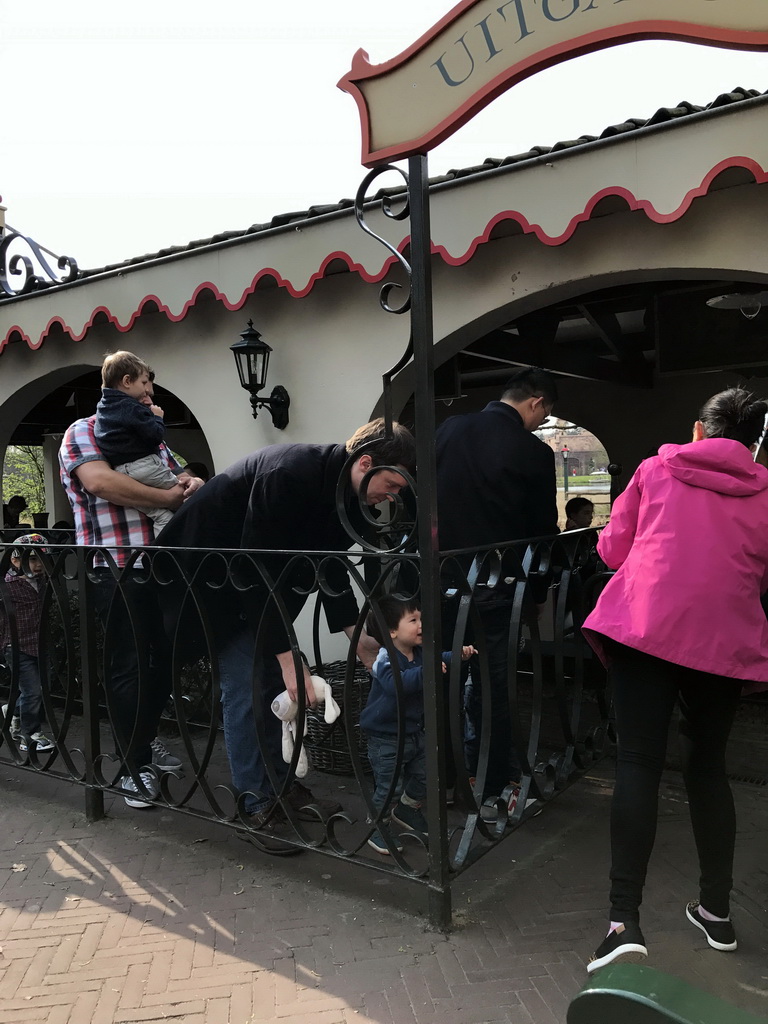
(100, 479)
(144, 422)
(541, 493)
(617, 538)
(288, 669)
(367, 647)
(412, 677)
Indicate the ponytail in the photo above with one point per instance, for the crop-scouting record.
(735, 414)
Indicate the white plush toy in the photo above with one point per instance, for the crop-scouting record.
(286, 710)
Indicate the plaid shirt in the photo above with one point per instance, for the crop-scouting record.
(27, 602)
(97, 521)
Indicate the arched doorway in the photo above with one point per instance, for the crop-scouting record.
(37, 415)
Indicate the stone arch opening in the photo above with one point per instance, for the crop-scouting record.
(632, 350)
(39, 412)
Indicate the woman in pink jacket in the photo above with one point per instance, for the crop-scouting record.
(681, 621)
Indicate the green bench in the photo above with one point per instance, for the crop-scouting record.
(627, 994)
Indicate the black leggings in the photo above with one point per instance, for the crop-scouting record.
(645, 690)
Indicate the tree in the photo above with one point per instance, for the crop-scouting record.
(24, 473)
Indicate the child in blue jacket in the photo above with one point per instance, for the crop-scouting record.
(381, 720)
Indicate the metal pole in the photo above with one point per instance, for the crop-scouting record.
(434, 703)
(565, 476)
(94, 795)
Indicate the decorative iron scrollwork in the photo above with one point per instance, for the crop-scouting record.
(26, 266)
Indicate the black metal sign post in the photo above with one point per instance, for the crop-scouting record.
(429, 560)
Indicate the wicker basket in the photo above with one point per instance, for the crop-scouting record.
(328, 746)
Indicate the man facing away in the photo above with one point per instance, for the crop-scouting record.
(496, 484)
(105, 506)
(281, 498)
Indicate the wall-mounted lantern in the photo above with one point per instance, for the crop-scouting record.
(252, 359)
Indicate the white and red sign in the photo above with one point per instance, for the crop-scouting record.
(482, 47)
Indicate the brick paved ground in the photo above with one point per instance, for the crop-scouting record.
(149, 917)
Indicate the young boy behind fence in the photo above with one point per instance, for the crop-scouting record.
(381, 722)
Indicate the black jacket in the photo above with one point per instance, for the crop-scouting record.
(125, 428)
(281, 498)
(495, 480)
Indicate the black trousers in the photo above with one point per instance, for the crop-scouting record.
(645, 691)
(137, 677)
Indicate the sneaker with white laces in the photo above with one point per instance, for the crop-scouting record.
(720, 934)
(162, 758)
(151, 785)
(624, 944)
(40, 742)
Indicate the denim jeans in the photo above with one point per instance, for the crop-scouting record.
(412, 773)
(244, 679)
(138, 663)
(30, 703)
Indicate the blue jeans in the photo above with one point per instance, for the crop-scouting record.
(244, 680)
(30, 704)
(411, 772)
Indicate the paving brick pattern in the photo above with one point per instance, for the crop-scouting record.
(150, 916)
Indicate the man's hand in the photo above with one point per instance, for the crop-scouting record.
(190, 484)
(367, 647)
(288, 668)
(467, 652)
(157, 411)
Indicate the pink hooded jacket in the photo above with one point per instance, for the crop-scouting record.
(689, 538)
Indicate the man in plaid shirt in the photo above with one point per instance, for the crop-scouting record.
(138, 684)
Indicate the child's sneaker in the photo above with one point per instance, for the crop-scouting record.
(409, 818)
(378, 841)
(720, 934)
(40, 741)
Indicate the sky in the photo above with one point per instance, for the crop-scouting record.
(128, 127)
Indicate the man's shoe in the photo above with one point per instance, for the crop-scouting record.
(409, 818)
(625, 945)
(137, 798)
(40, 742)
(378, 841)
(162, 758)
(305, 804)
(274, 831)
(720, 934)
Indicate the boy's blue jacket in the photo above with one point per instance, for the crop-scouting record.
(380, 713)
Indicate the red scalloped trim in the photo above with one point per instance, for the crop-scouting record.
(759, 174)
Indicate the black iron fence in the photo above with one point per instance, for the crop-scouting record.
(163, 618)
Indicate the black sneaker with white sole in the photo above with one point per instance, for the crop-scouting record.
(625, 945)
(720, 934)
